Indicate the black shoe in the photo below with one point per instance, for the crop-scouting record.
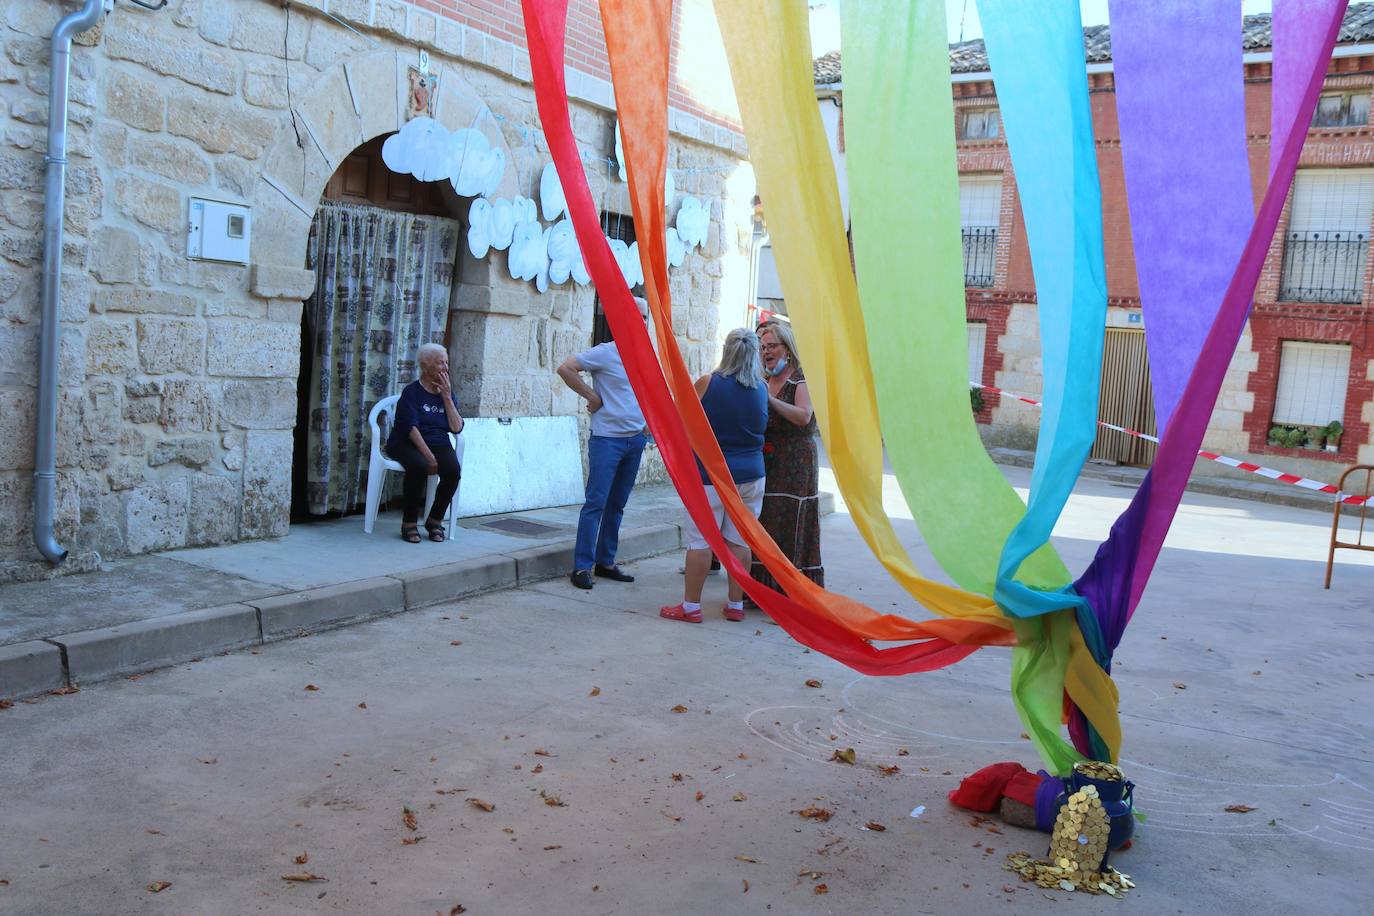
(613, 572)
(582, 578)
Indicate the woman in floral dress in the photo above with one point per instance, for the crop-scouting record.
(791, 505)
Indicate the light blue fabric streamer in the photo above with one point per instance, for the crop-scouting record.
(1036, 52)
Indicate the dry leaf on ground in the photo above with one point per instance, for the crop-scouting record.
(903, 752)
(362, 705)
(677, 777)
(816, 813)
(154, 831)
(1180, 686)
(739, 796)
(158, 887)
(845, 756)
(537, 768)
(484, 805)
(303, 876)
(302, 858)
(678, 708)
(700, 795)
(749, 859)
(874, 825)
(209, 760)
(311, 687)
(889, 770)
(455, 642)
(553, 801)
(746, 885)
(596, 692)
(812, 682)
(410, 840)
(540, 752)
(1240, 809)
(820, 889)
(672, 817)
(554, 846)
(65, 691)
(408, 817)
(6, 704)
(458, 908)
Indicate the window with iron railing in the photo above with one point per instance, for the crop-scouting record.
(980, 255)
(1323, 266)
(1342, 109)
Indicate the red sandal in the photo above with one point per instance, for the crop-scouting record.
(678, 612)
(734, 613)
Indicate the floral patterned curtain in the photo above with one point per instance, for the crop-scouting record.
(382, 283)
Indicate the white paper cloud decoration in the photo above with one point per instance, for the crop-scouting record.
(480, 227)
(420, 149)
(502, 223)
(677, 252)
(551, 194)
(693, 220)
(528, 251)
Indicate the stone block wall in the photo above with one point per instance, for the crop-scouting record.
(178, 377)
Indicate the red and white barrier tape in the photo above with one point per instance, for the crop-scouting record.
(1306, 483)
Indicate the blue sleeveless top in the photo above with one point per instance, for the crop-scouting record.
(738, 416)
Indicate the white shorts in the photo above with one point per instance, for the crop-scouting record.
(750, 491)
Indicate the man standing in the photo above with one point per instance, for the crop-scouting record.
(613, 453)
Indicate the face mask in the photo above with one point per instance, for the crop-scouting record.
(778, 367)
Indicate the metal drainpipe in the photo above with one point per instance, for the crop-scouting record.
(54, 205)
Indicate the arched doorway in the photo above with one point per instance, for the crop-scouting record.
(385, 249)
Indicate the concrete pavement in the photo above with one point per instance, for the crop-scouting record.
(1242, 682)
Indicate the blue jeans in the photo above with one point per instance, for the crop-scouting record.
(612, 463)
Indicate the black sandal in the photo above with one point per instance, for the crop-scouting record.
(410, 532)
(436, 532)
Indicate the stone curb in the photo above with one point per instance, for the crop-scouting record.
(96, 654)
(32, 667)
(35, 667)
(332, 605)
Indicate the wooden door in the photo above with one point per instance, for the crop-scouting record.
(1126, 399)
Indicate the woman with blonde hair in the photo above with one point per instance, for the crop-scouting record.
(735, 400)
(791, 501)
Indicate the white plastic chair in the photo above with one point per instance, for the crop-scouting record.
(379, 464)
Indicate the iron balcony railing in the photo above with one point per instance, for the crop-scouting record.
(980, 255)
(1323, 266)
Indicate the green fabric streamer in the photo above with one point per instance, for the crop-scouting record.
(904, 204)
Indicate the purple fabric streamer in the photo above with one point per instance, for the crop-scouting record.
(1293, 48)
(1116, 578)
(1187, 171)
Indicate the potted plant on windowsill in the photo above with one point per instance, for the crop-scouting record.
(1313, 438)
(975, 398)
(1334, 431)
(1293, 437)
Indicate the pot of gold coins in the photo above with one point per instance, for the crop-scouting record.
(1116, 793)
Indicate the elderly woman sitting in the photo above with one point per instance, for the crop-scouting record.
(425, 415)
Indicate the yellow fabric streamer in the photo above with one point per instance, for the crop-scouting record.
(769, 42)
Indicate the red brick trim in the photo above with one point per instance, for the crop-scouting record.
(994, 314)
(586, 41)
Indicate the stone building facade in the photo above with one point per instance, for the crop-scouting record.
(178, 377)
(1001, 301)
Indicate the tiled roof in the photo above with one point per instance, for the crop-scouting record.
(972, 57)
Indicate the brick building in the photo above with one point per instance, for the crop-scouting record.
(178, 414)
(1307, 357)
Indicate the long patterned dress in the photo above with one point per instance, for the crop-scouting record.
(791, 506)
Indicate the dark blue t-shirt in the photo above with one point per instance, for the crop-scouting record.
(417, 408)
(739, 417)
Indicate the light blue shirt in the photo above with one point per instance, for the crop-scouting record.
(619, 415)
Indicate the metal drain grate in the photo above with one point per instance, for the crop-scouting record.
(520, 526)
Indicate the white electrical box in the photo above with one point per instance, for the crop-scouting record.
(217, 230)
